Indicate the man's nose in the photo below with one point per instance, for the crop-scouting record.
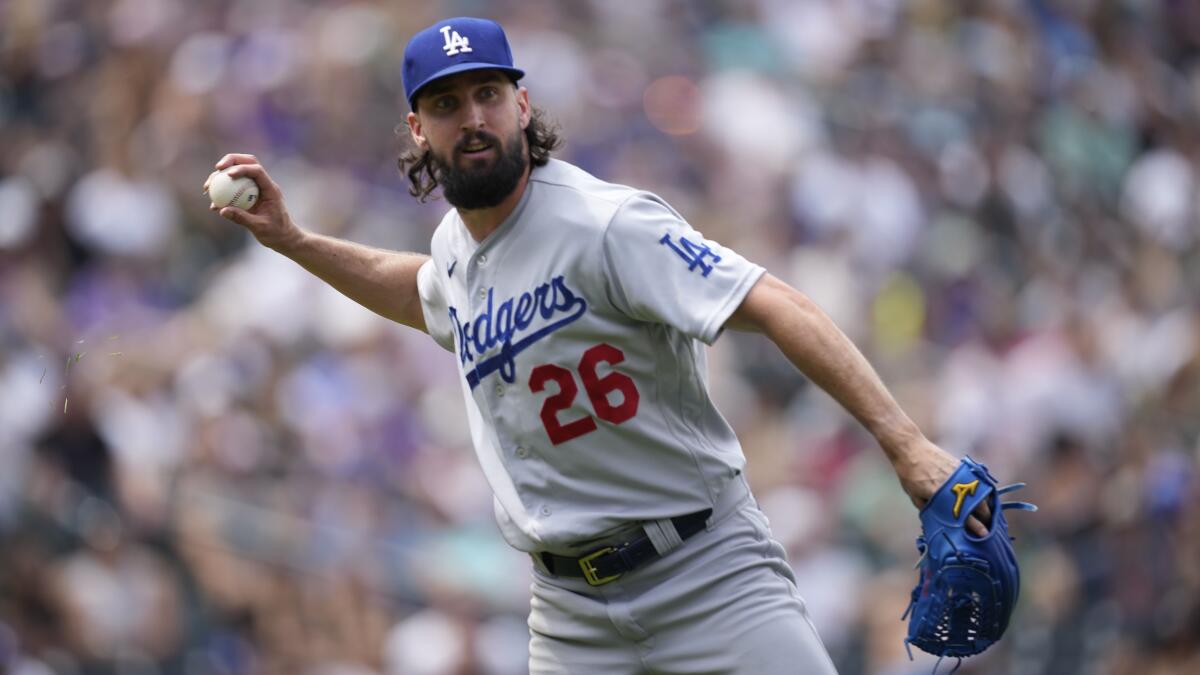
(472, 117)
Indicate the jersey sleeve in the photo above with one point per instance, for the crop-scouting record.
(434, 306)
(661, 270)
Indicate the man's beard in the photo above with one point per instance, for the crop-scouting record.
(483, 188)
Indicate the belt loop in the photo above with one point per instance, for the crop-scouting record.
(663, 535)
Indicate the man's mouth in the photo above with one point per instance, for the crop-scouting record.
(476, 149)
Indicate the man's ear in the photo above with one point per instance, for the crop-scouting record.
(414, 128)
(523, 108)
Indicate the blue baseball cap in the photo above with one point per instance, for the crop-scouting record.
(455, 46)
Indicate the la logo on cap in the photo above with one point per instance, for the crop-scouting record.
(455, 43)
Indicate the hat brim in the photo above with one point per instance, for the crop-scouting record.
(514, 73)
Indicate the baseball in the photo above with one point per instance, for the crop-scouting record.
(241, 192)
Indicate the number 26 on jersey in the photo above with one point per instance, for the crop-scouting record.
(598, 391)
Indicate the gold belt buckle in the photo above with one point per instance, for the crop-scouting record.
(589, 570)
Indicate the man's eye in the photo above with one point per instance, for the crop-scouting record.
(489, 92)
(444, 103)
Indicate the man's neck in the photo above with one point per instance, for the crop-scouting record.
(482, 222)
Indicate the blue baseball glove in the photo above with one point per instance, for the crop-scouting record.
(968, 585)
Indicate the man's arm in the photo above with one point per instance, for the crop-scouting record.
(384, 282)
(816, 346)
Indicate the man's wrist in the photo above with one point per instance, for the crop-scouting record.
(293, 243)
(899, 438)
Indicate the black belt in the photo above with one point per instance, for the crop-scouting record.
(607, 564)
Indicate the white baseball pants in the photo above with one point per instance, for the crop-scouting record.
(723, 603)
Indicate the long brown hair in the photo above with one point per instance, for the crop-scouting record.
(541, 135)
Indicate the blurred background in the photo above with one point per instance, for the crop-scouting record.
(210, 463)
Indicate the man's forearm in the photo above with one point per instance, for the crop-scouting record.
(816, 346)
(384, 282)
(820, 350)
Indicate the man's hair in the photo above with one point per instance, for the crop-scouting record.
(541, 135)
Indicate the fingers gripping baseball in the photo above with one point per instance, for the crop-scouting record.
(267, 217)
(236, 158)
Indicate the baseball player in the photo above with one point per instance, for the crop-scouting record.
(578, 311)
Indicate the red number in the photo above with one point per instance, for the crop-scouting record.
(597, 388)
(559, 433)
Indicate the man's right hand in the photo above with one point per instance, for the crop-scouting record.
(268, 220)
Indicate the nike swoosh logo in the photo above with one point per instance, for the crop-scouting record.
(450, 269)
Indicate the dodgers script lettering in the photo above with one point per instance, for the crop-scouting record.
(509, 325)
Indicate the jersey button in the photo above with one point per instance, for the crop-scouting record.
(545, 510)
(483, 294)
(481, 260)
(499, 390)
(522, 452)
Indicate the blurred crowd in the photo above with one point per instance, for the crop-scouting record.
(210, 463)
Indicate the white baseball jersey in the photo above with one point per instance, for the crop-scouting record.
(578, 327)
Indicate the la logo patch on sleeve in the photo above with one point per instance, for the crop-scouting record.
(692, 254)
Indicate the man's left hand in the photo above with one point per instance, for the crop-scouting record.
(922, 468)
